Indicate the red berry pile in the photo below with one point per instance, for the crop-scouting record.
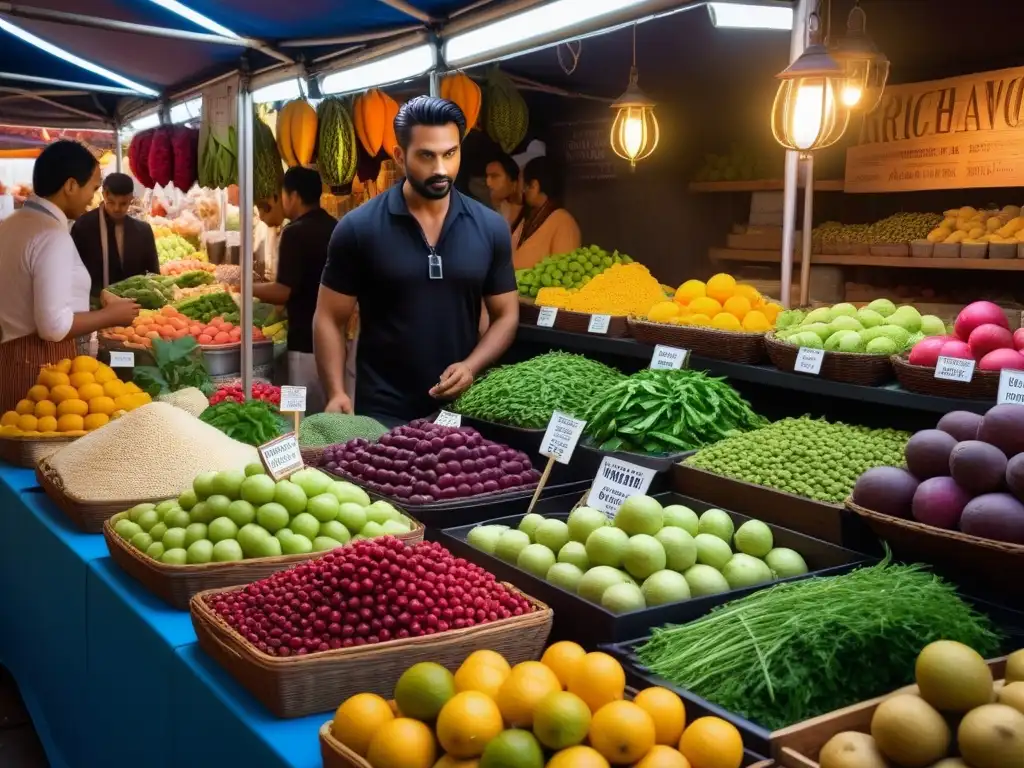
(260, 391)
(365, 593)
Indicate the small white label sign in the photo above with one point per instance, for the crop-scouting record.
(122, 359)
(282, 457)
(293, 400)
(1011, 387)
(561, 436)
(669, 358)
(616, 481)
(808, 360)
(546, 318)
(954, 369)
(599, 323)
(448, 419)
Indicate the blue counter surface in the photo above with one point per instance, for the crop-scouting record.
(111, 675)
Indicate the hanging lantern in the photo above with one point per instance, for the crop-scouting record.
(809, 113)
(634, 134)
(867, 68)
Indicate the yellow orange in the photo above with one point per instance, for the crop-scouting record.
(467, 722)
(94, 421)
(447, 761)
(562, 658)
(46, 424)
(749, 292)
(73, 405)
(522, 691)
(88, 391)
(598, 679)
(62, 392)
(70, 422)
(25, 407)
(725, 322)
(132, 388)
(690, 290)
(51, 377)
(737, 305)
(705, 305)
(358, 718)
(661, 756)
(663, 311)
(27, 422)
(402, 743)
(45, 408)
(721, 286)
(9, 419)
(490, 658)
(755, 321)
(104, 374)
(711, 742)
(114, 388)
(771, 311)
(666, 710)
(37, 393)
(84, 364)
(481, 676)
(64, 366)
(622, 732)
(578, 757)
(102, 404)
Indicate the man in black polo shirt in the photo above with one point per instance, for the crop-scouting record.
(421, 260)
(302, 254)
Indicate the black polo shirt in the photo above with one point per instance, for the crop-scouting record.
(412, 327)
(301, 256)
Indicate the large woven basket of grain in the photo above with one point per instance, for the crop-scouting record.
(148, 455)
(176, 584)
(296, 686)
(27, 451)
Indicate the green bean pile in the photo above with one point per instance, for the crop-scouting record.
(525, 394)
(665, 412)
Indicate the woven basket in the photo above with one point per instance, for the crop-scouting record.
(27, 451)
(297, 686)
(578, 322)
(335, 754)
(985, 561)
(176, 584)
(735, 346)
(847, 367)
(984, 385)
(88, 516)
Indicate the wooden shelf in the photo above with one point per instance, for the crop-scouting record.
(906, 262)
(761, 185)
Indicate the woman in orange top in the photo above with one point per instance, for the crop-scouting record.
(544, 227)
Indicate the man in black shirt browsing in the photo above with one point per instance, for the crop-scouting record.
(422, 260)
(302, 253)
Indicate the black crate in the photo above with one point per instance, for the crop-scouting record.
(590, 624)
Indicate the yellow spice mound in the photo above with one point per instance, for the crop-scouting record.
(623, 289)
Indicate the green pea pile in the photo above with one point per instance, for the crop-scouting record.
(898, 228)
(568, 270)
(525, 394)
(805, 457)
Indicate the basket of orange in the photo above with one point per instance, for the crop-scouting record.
(69, 399)
(721, 318)
(571, 709)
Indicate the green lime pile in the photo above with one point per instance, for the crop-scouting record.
(805, 457)
(568, 270)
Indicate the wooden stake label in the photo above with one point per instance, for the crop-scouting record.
(282, 457)
(561, 437)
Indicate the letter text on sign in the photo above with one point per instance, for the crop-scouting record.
(808, 360)
(599, 323)
(122, 359)
(1011, 387)
(293, 400)
(282, 457)
(954, 369)
(561, 436)
(616, 481)
(669, 358)
(448, 419)
(546, 317)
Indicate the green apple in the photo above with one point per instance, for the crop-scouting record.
(174, 538)
(228, 483)
(135, 512)
(126, 529)
(158, 531)
(325, 544)
(313, 482)
(254, 469)
(335, 530)
(352, 515)
(141, 541)
(270, 547)
(227, 551)
(166, 506)
(187, 500)
(251, 537)
(203, 485)
(177, 518)
(536, 559)
(290, 496)
(148, 519)
(323, 507)
(217, 505)
(529, 523)
(258, 490)
(347, 493)
(272, 516)
(176, 556)
(296, 545)
(241, 512)
(155, 550)
(199, 552)
(200, 513)
(194, 533)
(305, 524)
(222, 528)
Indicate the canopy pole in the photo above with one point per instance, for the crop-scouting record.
(805, 252)
(120, 91)
(23, 93)
(790, 177)
(435, 83)
(118, 155)
(409, 10)
(363, 37)
(244, 130)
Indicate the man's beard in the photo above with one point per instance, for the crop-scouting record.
(426, 190)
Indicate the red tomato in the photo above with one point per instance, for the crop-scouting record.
(222, 338)
(204, 338)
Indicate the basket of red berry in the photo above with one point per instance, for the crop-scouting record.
(261, 390)
(355, 619)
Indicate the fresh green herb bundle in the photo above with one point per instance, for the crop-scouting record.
(254, 422)
(800, 649)
(179, 365)
(806, 457)
(525, 394)
(659, 412)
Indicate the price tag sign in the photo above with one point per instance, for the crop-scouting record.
(282, 457)
(546, 318)
(293, 400)
(560, 439)
(1011, 387)
(808, 360)
(599, 323)
(122, 359)
(669, 358)
(448, 419)
(616, 481)
(954, 369)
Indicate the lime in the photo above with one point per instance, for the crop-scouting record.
(423, 689)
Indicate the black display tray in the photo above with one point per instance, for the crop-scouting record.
(590, 624)
(756, 737)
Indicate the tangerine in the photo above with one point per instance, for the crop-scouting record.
(467, 722)
(578, 757)
(46, 424)
(598, 679)
(490, 658)
(661, 756)
(27, 422)
(358, 718)
(711, 742)
(45, 408)
(70, 422)
(402, 743)
(94, 421)
(74, 406)
(25, 407)
(721, 286)
(690, 290)
(562, 658)
(756, 321)
(705, 305)
(666, 710)
(622, 732)
(481, 675)
(522, 691)
(737, 305)
(9, 419)
(84, 364)
(37, 393)
(725, 322)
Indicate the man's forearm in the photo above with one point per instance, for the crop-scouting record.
(272, 293)
(493, 343)
(329, 350)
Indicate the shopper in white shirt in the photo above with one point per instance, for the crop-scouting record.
(44, 290)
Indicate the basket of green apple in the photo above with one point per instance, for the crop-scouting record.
(235, 527)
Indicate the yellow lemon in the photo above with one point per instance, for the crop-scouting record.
(749, 292)
(725, 322)
(46, 424)
(63, 392)
(711, 742)
(70, 422)
(9, 419)
(45, 408)
(480, 676)
(64, 366)
(698, 319)
(25, 406)
(104, 374)
(132, 388)
(73, 406)
(10, 430)
(577, 757)
(114, 388)
(27, 422)
(690, 290)
(771, 311)
(622, 732)
(737, 305)
(402, 743)
(51, 377)
(95, 421)
(663, 311)
(721, 286)
(467, 722)
(705, 305)
(88, 391)
(527, 684)
(666, 710)
(37, 393)
(756, 321)
(102, 404)
(598, 679)
(81, 379)
(662, 756)
(84, 364)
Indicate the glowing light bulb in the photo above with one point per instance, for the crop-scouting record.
(851, 95)
(814, 107)
(633, 133)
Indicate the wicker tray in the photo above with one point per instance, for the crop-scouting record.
(176, 584)
(984, 385)
(848, 367)
(27, 451)
(296, 686)
(736, 346)
(983, 561)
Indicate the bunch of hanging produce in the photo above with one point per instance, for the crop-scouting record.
(806, 457)
(567, 270)
(266, 161)
(798, 649)
(149, 291)
(336, 150)
(461, 89)
(659, 412)
(166, 154)
(507, 117)
(373, 119)
(526, 394)
(296, 132)
(218, 159)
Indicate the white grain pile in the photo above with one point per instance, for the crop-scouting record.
(191, 400)
(153, 452)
